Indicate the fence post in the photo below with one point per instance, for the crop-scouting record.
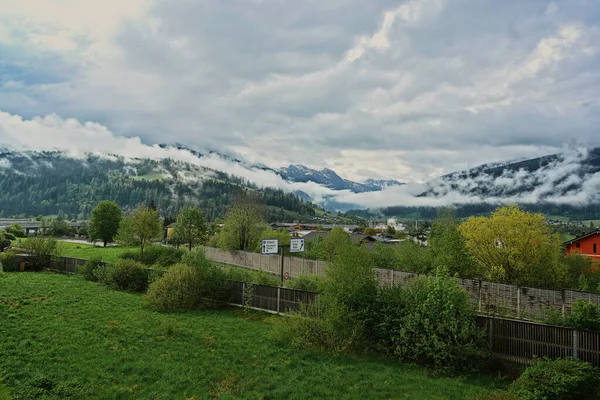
(278, 298)
(518, 301)
(564, 300)
(393, 273)
(243, 293)
(491, 333)
(480, 295)
(65, 263)
(575, 344)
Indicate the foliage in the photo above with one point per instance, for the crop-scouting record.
(410, 256)
(17, 230)
(141, 228)
(308, 283)
(127, 275)
(88, 270)
(190, 227)
(370, 231)
(514, 247)
(557, 379)
(448, 248)
(282, 235)
(155, 255)
(8, 259)
(5, 242)
(105, 221)
(243, 224)
(187, 287)
(8, 235)
(83, 337)
(431, 321)
(584, 315)
(249, 276)
(340, 320)
(41, 251)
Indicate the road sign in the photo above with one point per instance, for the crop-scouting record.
(270, 246)
(296, 245)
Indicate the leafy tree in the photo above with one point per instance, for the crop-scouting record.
(448, 248)
(141, 228)
(105, 221)
(391, 230)
(334, 244)
(282, 236)
(41, 251)
(190, 227)
(515, 247)
(243, 223)
(4, 242)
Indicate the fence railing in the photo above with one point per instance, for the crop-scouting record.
(489, 297)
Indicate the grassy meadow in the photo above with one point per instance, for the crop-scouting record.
(66, 338)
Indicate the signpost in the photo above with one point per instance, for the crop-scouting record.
(270, 246)
(296, 245)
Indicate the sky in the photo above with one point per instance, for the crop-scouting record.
(405, 90)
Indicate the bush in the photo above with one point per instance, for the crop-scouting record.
(41, 251)
(559, 379)
(584, 315)
(128, 275)
(431, 321)
(4, 243)
(88, 270)
(197, 284)
(8, 235)
(155, 255)
(17, 230)
(130, 255)
(8, 259)
(309, 283)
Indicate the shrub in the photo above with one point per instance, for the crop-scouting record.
(584, 315)
(4, 243)
(430, 321)
(88, 270)
(194, 285)
(17, 230)
(341, 320)
(8, 259)
(559, 379)
(8, 235)
(41, 251)
(128, 275)
(130, 255)
(309, 283)
(163, 256)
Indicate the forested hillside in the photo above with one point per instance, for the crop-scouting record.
(51, 183)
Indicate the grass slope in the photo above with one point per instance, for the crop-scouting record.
(63, 337)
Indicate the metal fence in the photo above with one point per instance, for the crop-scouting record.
(489, 297)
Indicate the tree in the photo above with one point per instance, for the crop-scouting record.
(448, 247)
(17, 230)
(105, 221)
(243, 223)
(142, 227)
(515, 247)
(190, 227)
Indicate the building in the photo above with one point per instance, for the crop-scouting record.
(587, 245)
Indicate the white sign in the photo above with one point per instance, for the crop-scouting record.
(270, 246)
(296, 245)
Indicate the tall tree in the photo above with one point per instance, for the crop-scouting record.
(105, 221)
(448, 246)
(515, 247)
(243, 224)
(140, 228)
(190, 227)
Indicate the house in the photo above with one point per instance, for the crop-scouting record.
(587, 245)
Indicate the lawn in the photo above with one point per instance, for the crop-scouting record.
(108, 254)
(63, 337)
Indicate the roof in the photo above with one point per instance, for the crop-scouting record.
(592, 233)
(313, 235)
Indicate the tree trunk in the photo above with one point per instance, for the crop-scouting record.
(105, 243)
(190, 246)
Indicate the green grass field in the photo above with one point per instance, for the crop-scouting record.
(108, 254)
(66, 338)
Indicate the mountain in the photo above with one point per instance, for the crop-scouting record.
(51, 183)
(330, 179)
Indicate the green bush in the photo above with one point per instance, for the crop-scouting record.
(584, 315)
(128, 275)
(8, 235)
(41, 251)
(341, 320)
(308, 283)
(88, 270)
(8, 259)
(17, 230)
(197, 284)
(431, 321)
(4, 243)
(559, 379)
(155, 255)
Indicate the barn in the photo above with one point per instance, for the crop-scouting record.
(587, 245)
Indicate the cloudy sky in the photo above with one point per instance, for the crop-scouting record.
(382, 89)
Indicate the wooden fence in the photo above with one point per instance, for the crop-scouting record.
(490, 298)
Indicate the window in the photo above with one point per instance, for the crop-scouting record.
(578, 245)
(594, 248)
